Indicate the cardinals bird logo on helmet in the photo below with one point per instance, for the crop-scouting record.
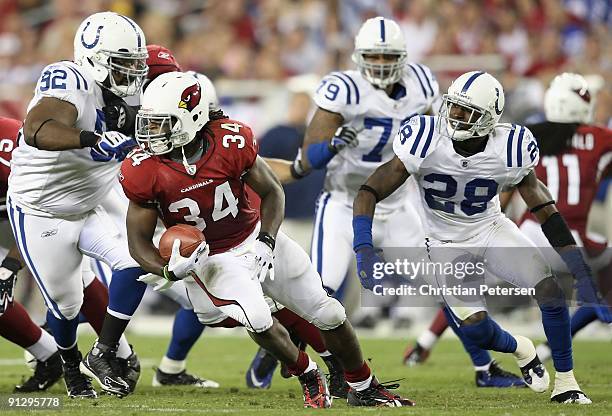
(190, 98)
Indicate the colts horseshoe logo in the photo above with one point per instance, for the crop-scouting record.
(96, 40)
(497, 110)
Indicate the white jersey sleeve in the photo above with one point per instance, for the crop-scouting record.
(339, 94)
(63, 80)
(413, 141)
(522, 153)
(428, 84)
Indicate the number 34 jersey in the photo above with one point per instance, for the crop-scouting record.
(377, 118)
(213, 199)
(460, 194)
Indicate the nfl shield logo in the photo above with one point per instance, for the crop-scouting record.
(464, 163)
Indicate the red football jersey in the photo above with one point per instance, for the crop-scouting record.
(9, 129)
(214, 199)
(573, 176)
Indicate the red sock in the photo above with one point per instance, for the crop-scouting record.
(95, 302)
(439, 324)
(17, 326)
(361, 374)
(300, 365)
(306, 331)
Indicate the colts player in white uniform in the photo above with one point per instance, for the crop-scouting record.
(359, 112)
(62, 172)
(461, 162)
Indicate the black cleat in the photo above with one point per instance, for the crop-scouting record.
(314, 386)
(46, 374)
(377, 394)
(183, 378)
(77, 384)
(338, 387)
(131, 369)
(102, 365)
(496, 376)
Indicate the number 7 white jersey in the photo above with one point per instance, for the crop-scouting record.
(460, 194)
(68, 182)
(377, 117)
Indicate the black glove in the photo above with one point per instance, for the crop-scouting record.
(8, 278)
(118, 115)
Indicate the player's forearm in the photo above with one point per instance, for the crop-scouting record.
(315, 151)
(147, 256)
(52, 135)
(364, 204)
(272, 210)
(282, 169)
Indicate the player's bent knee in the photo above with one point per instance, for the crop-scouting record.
(548, 292)
(475, 318)
(330, 315)
(70, 311)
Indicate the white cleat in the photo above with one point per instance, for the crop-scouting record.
(534, 373)
(567, 390)
(570, 397)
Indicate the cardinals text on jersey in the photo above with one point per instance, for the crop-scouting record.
(460, 194)
(214, 199)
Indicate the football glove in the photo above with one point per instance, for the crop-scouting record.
(367, 257)
(159, 283)
(181, 266)
(589, 295)
(344, 137)
(263, 250)
(8, 278)
(112, 144)
(121, 117)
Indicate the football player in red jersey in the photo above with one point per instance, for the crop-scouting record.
(193, 168)
(575, 156)
(15, 323)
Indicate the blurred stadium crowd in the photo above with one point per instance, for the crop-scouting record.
(266, 55)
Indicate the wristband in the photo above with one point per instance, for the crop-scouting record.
(267, 239)
(362, 232)
(319, 154)
(297, 169)
(88, 138)
(169, 275)
(11, 264)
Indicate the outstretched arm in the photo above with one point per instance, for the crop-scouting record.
(281, 168)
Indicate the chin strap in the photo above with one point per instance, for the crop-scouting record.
(191, 169)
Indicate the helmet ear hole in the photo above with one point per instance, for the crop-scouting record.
(195, 117)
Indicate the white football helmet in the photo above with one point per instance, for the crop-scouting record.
(209, 88)
(568, 100)
(174, 107)
(380, 36)
(109, 45)
(479, 93)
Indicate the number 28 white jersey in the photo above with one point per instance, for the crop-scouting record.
(377, 118)
(460, 194)
(68, 182)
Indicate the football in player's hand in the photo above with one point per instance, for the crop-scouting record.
(190, 237)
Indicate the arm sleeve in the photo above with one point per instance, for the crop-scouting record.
(60, 80)
(413, 140)
(338, 94)
(137, 180)
(522, 153)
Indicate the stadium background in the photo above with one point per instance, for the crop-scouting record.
(266, 57)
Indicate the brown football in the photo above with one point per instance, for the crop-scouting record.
(190, 238)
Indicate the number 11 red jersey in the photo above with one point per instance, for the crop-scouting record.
(214, 199)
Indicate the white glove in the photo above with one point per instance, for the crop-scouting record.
(159, 283)
(112, 144)
(183, 266)
(264, 258)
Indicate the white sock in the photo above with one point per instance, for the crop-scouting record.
(565, 381)
(170, 366)
(525, 350)
(311, 366)
(361, 385)
(427, 339)
(123, 349)
(44, 348)
(483, 367)
(325, 354)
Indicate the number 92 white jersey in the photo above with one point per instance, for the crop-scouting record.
(68, 182)
(377, 118)
(460, 194)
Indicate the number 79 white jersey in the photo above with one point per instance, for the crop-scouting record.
(460, 195)
(377, 118)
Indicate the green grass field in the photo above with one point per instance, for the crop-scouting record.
(445, 385)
